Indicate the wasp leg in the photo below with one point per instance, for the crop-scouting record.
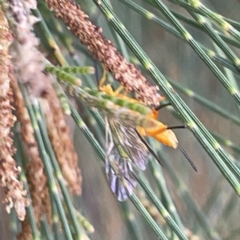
(103, 79)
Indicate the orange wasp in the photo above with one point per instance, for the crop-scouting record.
(126, 149)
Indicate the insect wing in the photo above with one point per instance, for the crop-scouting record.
(130, 143)
(118, 166)
(120, 175)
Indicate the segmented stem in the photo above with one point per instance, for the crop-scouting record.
(128, 113)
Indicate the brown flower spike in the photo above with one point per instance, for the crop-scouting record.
(103, 50)
(59, 135)
(28, 63)
(35, 169)
(15, 194)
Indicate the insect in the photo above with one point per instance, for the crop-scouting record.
(125, 150)
(127, 122)
(160, 132)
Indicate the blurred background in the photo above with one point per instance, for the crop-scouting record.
(206, 203)
(208, 189)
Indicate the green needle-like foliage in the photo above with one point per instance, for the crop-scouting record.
(62, 134)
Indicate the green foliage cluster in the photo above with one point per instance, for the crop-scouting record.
(198, 76)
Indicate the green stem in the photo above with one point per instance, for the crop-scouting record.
(201, 133)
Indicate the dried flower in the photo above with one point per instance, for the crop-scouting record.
(103, 50)
(29, 70)
(35, 169)
(15, 194)
(59, 135)
(26, 58)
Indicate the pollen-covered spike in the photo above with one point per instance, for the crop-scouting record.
(187, 157)
(149, 148)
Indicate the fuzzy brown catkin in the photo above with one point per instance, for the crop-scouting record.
(103, 50)
(15, 195)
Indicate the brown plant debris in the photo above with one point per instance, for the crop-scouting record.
(59, 135)
(26, 58)
(15, 194)
(29, 70)
(103, 50)
(35, 168)
(28, 65)
(26, 233)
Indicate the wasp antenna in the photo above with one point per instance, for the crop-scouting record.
(149, 148)
(177, 127)
(187, 157)
(162, 106)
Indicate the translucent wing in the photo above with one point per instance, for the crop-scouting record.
(131, 144)
(119, 173)
(125, 152)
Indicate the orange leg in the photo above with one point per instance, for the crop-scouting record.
(107, 88)
(103, 79)
(118, 90)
